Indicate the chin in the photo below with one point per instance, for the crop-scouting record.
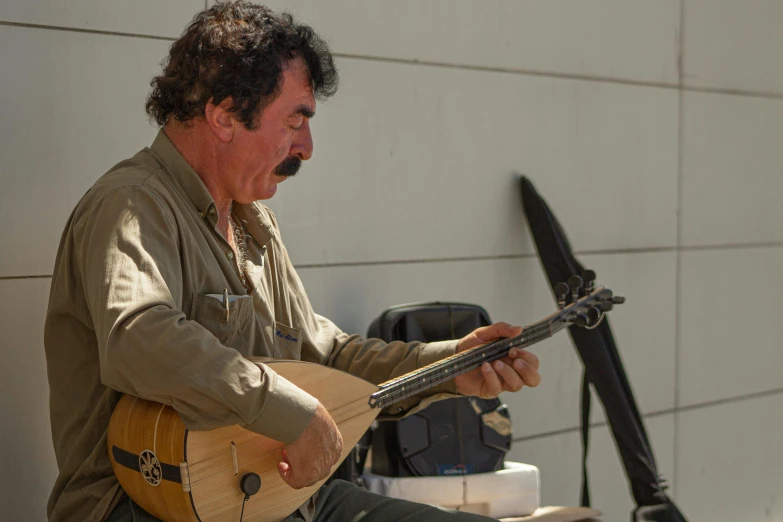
(267, 193)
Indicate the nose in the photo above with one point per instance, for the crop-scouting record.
(302, 147)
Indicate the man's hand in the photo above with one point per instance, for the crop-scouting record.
(311, 457)
(510, 373)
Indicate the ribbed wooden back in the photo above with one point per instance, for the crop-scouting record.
(138, 426)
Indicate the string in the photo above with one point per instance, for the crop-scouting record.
(463, 366)
(468, 358)
(440, 372)
(528, 332)
(437, 374)
(389, 396)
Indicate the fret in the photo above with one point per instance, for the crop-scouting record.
(441, 371)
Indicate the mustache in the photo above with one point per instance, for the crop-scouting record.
(289, 166)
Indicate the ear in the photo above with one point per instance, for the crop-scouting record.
(220, 120)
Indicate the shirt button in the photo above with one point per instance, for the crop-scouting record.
(230, 254)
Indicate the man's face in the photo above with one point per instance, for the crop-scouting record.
(257, 160)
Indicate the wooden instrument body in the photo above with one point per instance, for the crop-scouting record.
(211, 463)
(148, 442)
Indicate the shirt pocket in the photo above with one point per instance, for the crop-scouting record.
(232, 324)
(288, 342)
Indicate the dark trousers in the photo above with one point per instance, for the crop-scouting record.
(340, 501)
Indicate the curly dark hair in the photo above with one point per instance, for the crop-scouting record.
(237, 50)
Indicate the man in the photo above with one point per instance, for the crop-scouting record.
(137, 304)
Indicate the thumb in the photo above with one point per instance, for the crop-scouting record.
(284, 468)
(496, 331)
(486, 334)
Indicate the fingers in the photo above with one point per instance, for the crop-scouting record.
(527, 372)
(487, 334)
(298, 480)
(310, 458)
(492, 385)
(511, 373)
(284, 468)
(497, 330)
(288, 475)
(285, 472)
(511, 379)
(529, 357)
(526, 365)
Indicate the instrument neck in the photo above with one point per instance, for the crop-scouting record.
(439, 372)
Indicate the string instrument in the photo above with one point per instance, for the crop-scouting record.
(230, 474)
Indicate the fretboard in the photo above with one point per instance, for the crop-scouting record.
(441, 371)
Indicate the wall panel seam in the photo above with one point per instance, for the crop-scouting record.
(729, 400)
(509, 70)
(467, 67)
(623, 251)
(734, 92)
(392, 262)
(658, 413)
(11, 278)
(572, 429)
(678, 256)
(86, 31)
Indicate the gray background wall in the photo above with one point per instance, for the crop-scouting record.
(652, 127)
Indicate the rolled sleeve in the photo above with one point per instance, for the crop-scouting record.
(377, 361)
(287, 412)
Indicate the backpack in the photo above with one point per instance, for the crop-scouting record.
(467, 441)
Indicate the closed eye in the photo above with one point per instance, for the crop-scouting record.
(298, 117)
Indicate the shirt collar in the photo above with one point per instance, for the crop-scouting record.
(257, 223)
(182, 172)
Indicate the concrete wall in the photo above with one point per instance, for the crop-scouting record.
(652, 128)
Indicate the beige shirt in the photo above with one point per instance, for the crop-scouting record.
(136, 307)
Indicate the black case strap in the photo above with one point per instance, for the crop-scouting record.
(586, 398)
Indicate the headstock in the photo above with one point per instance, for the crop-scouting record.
(582, 303)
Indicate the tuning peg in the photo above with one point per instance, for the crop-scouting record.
(605, 306)
(589, 278)
(575, 283)
(604, 295)
(618, 299)
(561, 292)
(581, 320)
(590, 317)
